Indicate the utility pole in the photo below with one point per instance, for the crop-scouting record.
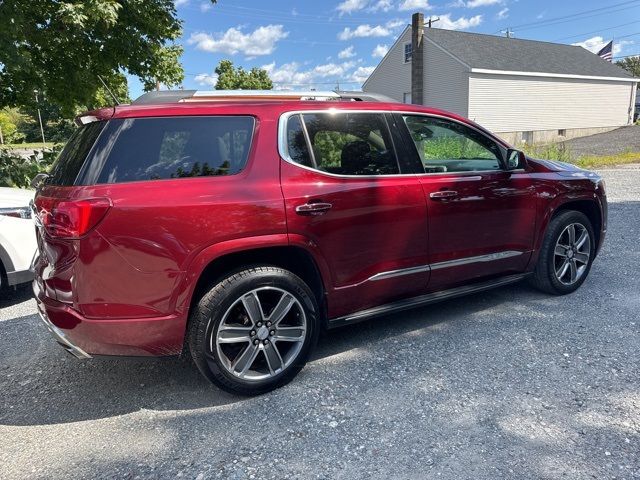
(40, 118)
(432, 20)
(1, 138)
(508, 33)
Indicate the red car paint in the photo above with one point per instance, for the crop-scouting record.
(125, 286)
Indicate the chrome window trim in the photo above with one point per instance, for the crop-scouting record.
(284, 154)
(490, 257)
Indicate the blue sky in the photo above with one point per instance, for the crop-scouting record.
(318, 44)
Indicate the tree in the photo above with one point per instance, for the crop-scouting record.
(631, 64)
(59, 47)
(232, 78)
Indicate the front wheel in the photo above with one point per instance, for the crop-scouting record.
(566, 255)
(254, 331)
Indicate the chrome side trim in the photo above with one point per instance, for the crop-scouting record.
(423, 300)
(398, 273)
(450, 263)
(491, 257)
(61, 338)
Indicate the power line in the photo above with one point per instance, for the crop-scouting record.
(627, 56)
(596, 31)
(573, 15)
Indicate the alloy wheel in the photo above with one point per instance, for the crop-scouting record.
(572, 253)
(261, 334)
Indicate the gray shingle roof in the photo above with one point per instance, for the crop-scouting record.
(513, 54)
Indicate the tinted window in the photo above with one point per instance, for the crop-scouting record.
(66, 168)
(172, 147)
(447, 146)
(344, 143)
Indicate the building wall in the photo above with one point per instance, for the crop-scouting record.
(446, 81)
(392, 77)
(504, 103)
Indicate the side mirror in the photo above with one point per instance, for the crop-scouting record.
(515, 159)
(38, 179)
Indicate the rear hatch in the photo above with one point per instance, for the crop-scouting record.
(61, 221)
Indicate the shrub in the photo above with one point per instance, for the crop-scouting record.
(17, 171)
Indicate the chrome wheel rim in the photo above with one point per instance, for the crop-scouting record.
(572, 253)
(260, 334)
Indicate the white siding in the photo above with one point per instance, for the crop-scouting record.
(392, 77)
(446, 81)
(507, 103)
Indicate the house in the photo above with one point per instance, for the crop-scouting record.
(522, 90)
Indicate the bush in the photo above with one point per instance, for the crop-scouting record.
(553, 151)
(17, 171)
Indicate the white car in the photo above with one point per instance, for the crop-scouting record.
(17, 236)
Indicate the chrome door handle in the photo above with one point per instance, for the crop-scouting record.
(317, 208)
(443, 194)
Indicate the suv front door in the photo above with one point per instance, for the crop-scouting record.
(349, 202)
(481, 217)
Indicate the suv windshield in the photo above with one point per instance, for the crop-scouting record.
(136, 149)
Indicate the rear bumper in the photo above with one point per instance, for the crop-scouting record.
(84, 337)
(60, 336)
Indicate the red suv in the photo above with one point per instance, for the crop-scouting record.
(237, 228)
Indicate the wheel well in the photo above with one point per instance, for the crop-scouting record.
(590, 209)
(294, 259)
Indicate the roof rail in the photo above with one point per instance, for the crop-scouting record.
(174, 96)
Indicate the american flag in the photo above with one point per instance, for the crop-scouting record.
(606, 52)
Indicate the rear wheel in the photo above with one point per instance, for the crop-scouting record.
(254, 331)
(566, 254)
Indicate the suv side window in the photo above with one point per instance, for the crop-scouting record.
(342, 143)
(158, 148)
(448, 146)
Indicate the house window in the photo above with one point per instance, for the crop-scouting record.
(407, 52)
(406, 97)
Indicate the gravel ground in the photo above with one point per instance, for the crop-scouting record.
(509, 383)
(621, 140)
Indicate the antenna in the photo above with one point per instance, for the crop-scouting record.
(432, 20)
(508, 32)
(109, 90)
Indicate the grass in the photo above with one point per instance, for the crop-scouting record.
(561, 153)
(13, 146)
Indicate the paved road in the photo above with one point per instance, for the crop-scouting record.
(503, 384)
(620, 140)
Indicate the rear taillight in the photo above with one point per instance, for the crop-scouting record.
(70, 218)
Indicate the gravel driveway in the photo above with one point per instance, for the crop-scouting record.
(509, 383)
(621, 140)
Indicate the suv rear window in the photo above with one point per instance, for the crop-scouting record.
(136, 149)
(66, 168)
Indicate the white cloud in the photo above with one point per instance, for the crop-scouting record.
(504, 13)
(290, 74)
(481, 3)
(262, 41)
(380, 51)
(347, 53)
(205, 7)
(414, 5)
(361, 74)
(207, 79)
(364, 31)
(395, 23)
(349, 6)
(595, 44)
(180, 3)
(384, 5)
(461, 23)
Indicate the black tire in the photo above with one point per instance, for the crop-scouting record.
(218, 304)
(544, 276)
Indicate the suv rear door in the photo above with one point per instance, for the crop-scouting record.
(348, 200)
(481, 217)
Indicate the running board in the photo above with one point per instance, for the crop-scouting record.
(423, 300)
